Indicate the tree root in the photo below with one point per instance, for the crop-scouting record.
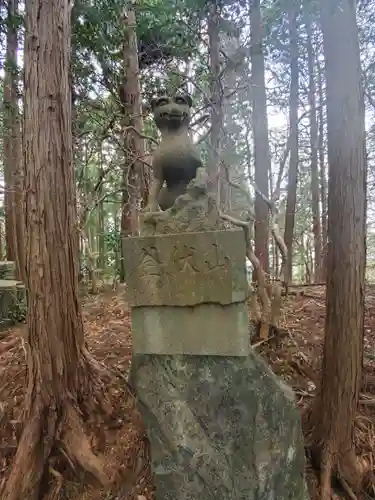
(77, 447)
(8, 345)
(347, 489)
(50, 428)
(325, 475)
(348, 470)
(54, 493)
(33, 451)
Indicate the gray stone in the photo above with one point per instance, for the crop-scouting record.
(186, 269)
(219, 428)
(12, 302)
(193, 211)
(206, 329)
(7, 270)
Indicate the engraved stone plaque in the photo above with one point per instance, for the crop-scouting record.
(186, 269)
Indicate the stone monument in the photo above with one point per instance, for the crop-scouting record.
(221, 425)
(12, 295)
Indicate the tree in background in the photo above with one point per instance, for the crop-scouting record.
(335, 409)
(13, 174)
(216, 98)
(262, 159)
(63, 382)
(293, 126)
(315, 194)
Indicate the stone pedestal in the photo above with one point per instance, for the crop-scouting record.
(221, 425)
(12, 295)
(194, 280)
(219, 428)
(7, 270)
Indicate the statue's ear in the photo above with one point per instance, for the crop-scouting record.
(188, 100)
(153, 103)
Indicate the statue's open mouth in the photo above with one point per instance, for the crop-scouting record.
(173, 116)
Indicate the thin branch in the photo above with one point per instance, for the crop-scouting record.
(139, 134)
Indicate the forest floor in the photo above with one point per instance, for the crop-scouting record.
(295, 357)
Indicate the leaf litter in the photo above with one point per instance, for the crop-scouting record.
(295, 357)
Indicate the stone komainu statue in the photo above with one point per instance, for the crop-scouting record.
(176, 160)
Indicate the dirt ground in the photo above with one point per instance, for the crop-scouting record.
(295, 357)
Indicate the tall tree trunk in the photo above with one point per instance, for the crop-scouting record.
(101, 225)
(260, 133)
(322, 170)
(63, 381)
(1, 241)
(293, 125)
(10, 78)
(134, 192)
(13, 173)
(19, 197)
(315, 195)
(335, 410)
(216, 111)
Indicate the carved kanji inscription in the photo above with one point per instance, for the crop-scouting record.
(186, 269)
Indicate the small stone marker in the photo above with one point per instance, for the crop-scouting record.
(7, 270)
(12, 293)
(196, 281)
(220, 428)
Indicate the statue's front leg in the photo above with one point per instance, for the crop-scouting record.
(166, 198)
(152, 204)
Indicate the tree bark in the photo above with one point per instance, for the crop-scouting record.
(63, 382)
(293, 124)
(335, 409)
(134, 192)
(8, 139)
(101, 229)
(315, 195)
(1, 241)
(13, 173)
(260, 133)
(216, 111)
(322, 170)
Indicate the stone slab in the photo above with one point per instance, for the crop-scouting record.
(8, 284)
(205, 329)
(7, 269)
(220, 428)
(186, 269)
(12, 296)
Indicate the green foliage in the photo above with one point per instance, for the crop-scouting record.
(165, 30)
(173, 53)
(112, 241)
(17, 313)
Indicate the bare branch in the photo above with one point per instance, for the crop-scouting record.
(261, 278)
(140, 135)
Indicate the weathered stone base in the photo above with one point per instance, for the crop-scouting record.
(201, 329)
(7, 269)
(12, 299)
(220, 428)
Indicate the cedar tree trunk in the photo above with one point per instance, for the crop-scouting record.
(216, 108)
(133, 181)
(260, 131)
(315, 194)
(13, 174)
(63, 382)
(293, 125)
(336, 406)
(322, 170)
